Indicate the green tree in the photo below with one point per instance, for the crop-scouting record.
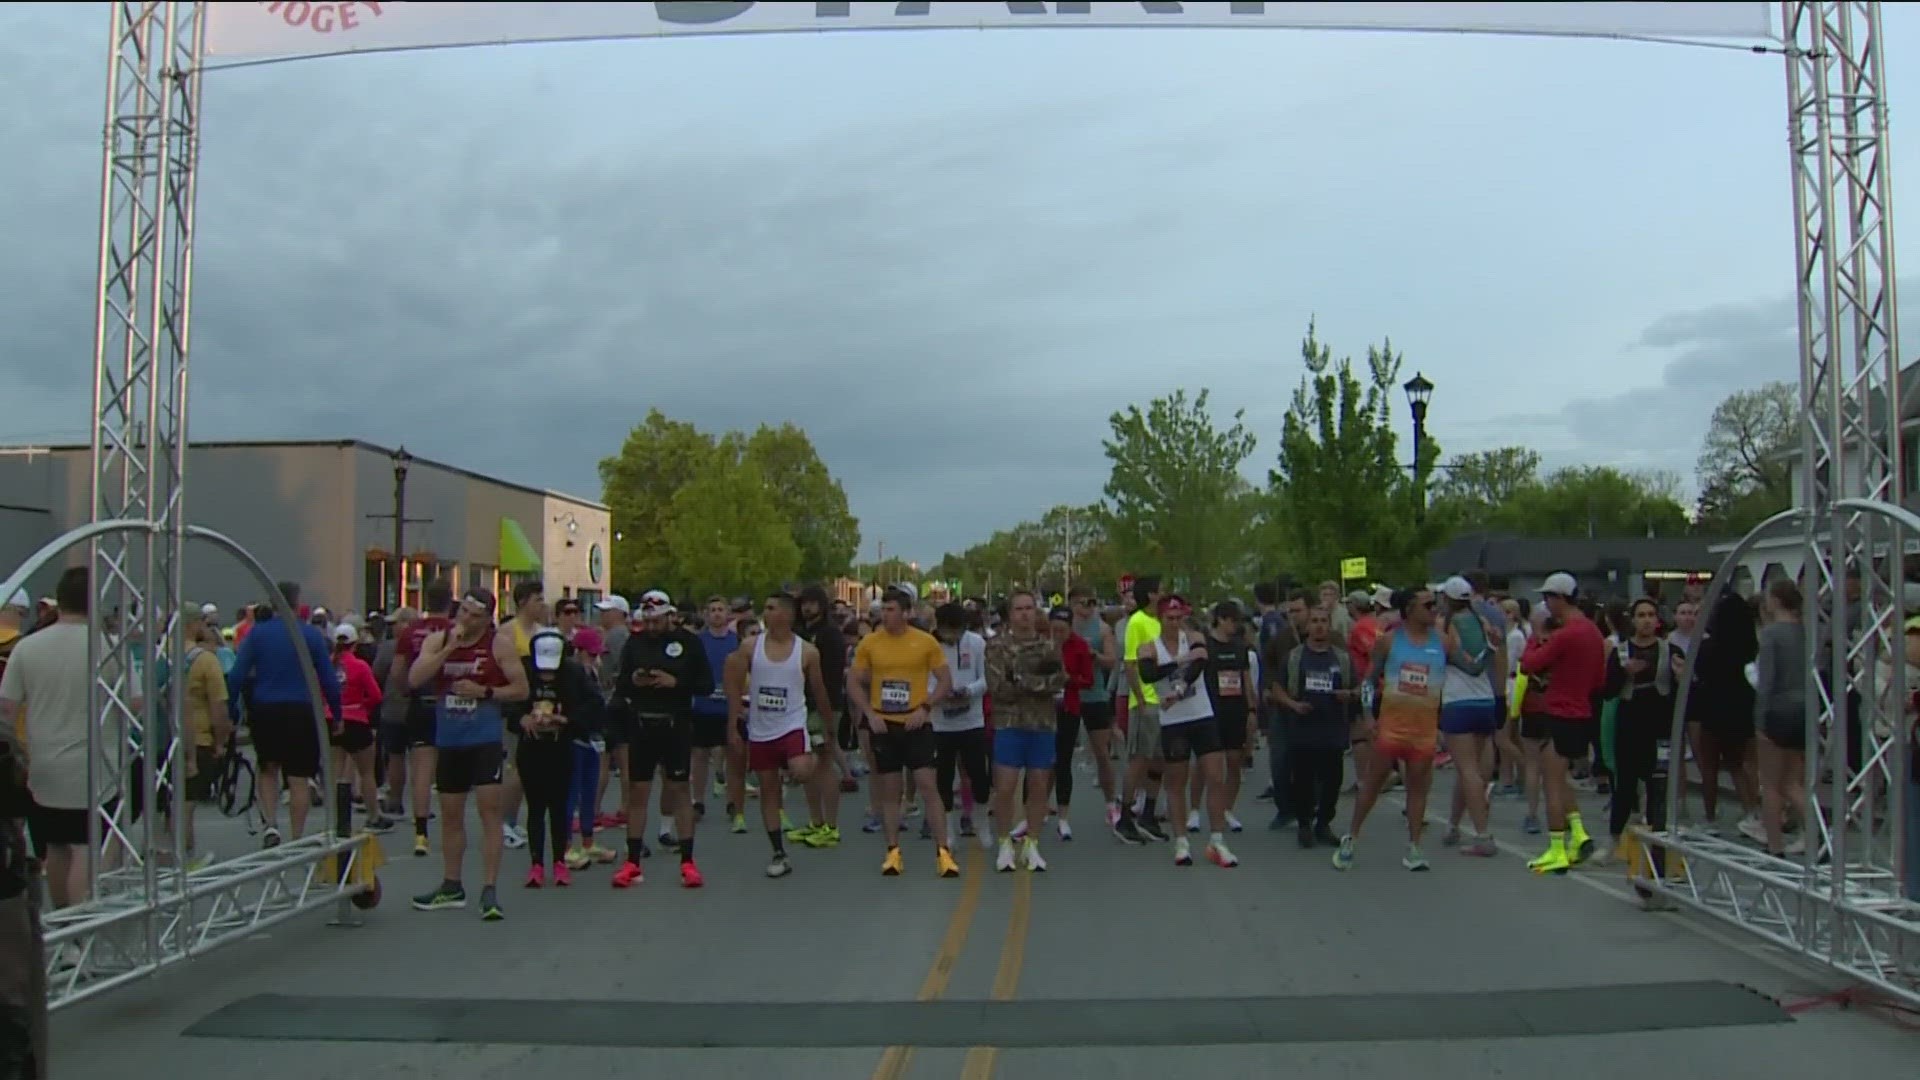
(727, 534)
(1744, 470)
(1339, 488)
(657, 460)
(807, 498)
(1174, 495)
(1595, 501)
(1471, 488)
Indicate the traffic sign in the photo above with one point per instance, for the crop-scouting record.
(1056, 600)
(1354, 568)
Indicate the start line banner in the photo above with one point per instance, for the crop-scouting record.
(288, 29)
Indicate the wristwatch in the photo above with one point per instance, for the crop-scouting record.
(488, 696)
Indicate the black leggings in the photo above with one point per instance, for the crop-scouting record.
(968, 749)
(546, 768)
(1066, 738)
(1313, 780)
(1637, 735)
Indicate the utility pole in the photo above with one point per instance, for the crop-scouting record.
(398, 559)
(1067, 573)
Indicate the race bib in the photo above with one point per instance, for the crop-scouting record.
(1412, 680)
(771, 699)
(896, 695)
(1229, 684)
(599, 745)
(460, 704)
(719, 694)
(956, 709)
(1319, 682)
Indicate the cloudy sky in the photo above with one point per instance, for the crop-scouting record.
(949, 255)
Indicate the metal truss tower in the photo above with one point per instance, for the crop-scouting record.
(1840, 900)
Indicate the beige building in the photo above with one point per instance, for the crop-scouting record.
(322, 514)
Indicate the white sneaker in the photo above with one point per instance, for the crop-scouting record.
(1065, 830)
(1182, 852)
(1193, 821)
(511, 836)
(986, 839)
(1020, 830)
(1030, 854)
(1752, 829)
(1006, 860)
(1233, 823)
(1219, 855)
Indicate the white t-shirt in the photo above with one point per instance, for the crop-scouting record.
(967, 659)
(49, 675)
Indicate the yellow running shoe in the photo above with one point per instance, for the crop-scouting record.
(802, 836)
(577, 858)
(739, 823)
(1579, 842)
(420, 848)
(892, 864)
(943, 861)
(1554, 860)
(827, 836)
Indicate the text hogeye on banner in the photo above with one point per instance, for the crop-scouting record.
(297, 28)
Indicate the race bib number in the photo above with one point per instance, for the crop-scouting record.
(1412, 680)
(460, 704)
(896, 695)
(771, 699)
(1318, 682)
(1229, 684)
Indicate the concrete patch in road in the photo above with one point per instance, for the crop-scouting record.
(1368, 1018)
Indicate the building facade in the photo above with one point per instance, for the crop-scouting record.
(1608, 569)
(322, 514)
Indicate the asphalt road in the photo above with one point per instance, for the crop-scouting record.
(1113, 964)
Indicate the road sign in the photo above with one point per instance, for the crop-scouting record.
(1056, 600)
(1353, 569)
(1126, 584)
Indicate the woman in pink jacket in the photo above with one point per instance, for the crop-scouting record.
(353, 735)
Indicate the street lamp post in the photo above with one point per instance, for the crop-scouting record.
(1419, 392)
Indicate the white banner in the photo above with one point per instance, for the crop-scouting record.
(294, 28)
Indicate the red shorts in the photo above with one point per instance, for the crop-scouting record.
(1395, 750)
(774, 754)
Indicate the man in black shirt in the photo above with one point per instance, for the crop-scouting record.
(1229, 675)
(663, 668)
(823, 789)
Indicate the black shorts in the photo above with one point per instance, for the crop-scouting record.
(1571, 739)
(617, 724)
(352, 738)
(898, 748)
(662, 744)
(1096, 715)
(1194, 739)
(709, 732)
(286, 737)
(56, 825)
(459, 769)
(420, 722)
(207, 764)
(1233, 732)
(394, 737)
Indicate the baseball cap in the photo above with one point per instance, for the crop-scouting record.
(1227, 609)
(345, 632)
(588, 640)
(614, 602)
(479, 595)
(1360, 596)
(210, 610)
(1174, 603)
(654, 603)
(740, 604)
(548, 649)
(1382, 598)
(908, 587)
(1456, 588)
(1061, 613)
(1561, 584)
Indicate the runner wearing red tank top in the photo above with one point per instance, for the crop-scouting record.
(435, 602)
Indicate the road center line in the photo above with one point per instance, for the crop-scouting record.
(895, 1059)
(1006, 980)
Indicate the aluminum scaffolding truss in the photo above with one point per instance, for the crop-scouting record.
(1840, 901)
(148, 909)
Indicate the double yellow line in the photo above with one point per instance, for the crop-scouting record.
(1006, 980)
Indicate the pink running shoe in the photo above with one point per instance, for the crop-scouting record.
(536, 877)
(690, 876)
(562, 877)
(628, 876)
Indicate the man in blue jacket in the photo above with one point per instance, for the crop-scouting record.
(286, 735)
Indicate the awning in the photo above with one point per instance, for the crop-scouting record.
(517, 553)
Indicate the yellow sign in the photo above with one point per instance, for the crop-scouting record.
(1056, 600)
(1353, 569)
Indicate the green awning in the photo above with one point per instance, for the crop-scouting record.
(517, 553)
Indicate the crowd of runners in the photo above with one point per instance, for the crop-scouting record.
(565, 726)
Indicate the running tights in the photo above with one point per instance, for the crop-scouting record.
(1313, 781)
(968, 750)
(581, 807)
(546, 768)
(1066, 738)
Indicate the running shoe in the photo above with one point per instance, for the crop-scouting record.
(1414, 860)
(537, 876)
(576, 858)
(1233, 823)
(719, 786)
(785, 821)
(1193, 821)
(1007, 859)
(926, 829)
(1030, 855)
(779, 865)
(667, 839)
(447, 894)
(966, 825)
(1019, 831)
(1064, 830)
(1480, 847)
(825, 836)
(616, 820)
(490, 905)
(739, 824)
(1343, 855)
(892, 865)
(1127, 831)
(270, 838)
(1152, 828)
(1452, 839)
(512, 836)
(1304, 837)
(562, 877)
(1113, 815)
(420, 847)
(601, 854)
(1221, 856)
(1531, 826)
(1182, 851)
(943, 863)
(378, 824)
(690, 875)
(629, 875)
(871, 824)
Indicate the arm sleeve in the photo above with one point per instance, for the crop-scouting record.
(977, 689)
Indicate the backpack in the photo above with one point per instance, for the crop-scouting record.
(1293, 670)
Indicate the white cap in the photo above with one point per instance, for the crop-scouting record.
(1561, 584)
(320, 612)
(654, 603)
(345, 632)
(548, 649)
(614, 602)
(1456, 588)
(908, 587)
(21, 600)
(210, 610)
(1383, 598)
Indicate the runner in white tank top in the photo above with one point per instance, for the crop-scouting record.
(1188, 731)
(782, 670)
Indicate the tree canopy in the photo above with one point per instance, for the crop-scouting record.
(1744, 472)
(1175, 496)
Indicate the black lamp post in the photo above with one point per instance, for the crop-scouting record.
(401, 461)
(1419, 392)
